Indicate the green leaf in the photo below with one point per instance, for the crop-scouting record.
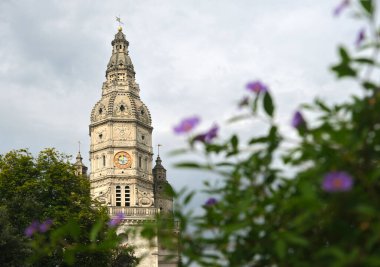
(188, 198)
(256, 140)
(268, 104)
(367, 6)
(239, 118)
(343, 70)
(370, 85)
(95, 230)
(234, 142)
(192, 165)
(280, 248)
(344, 54)
(322, 105)
(363, 60)
(295, 239)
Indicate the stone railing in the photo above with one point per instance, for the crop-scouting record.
(133, 211)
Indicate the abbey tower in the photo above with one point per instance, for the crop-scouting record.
(122, 176)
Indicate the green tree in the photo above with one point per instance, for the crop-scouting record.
(13, 247)
(46, 188)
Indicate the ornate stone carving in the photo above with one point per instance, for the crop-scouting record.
(121, 109)
(144, 198)
(122, 132)
(100, 112)
(104, 197)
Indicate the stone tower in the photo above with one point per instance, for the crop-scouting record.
(80, 168)
(163, 201)
(121, 151)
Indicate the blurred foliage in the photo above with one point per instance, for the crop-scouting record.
(46, 188)
(258, 213)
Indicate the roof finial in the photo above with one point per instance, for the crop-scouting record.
(79, 146)
(118, 19)
(158, 146)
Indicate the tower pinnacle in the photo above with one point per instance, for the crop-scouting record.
(81, 169)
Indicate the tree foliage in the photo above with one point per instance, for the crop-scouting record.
(37, 190)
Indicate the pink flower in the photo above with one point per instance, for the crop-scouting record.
(298, 120)
(115, 221)
(360, 38)
(32, 229)
(208, 136)
(186, 125)
(337, 181)
(45, 226)
(211, 202)
(257, 87)
(342, 6)
(36, 227)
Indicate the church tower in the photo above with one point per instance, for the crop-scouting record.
(121, 137)
(121, 151)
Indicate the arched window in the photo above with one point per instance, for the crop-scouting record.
(118, 195)
(104, 160)
(127, 196)
(140, 161)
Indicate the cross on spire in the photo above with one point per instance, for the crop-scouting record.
(118, 19)
(158, 146)
(79, 146)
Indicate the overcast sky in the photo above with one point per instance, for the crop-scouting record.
(191, 57)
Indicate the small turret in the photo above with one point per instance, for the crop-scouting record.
(80, 168)
(162, 199)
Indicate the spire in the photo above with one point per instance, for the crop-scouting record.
(159, 172)
(120, 60)
(81, 169)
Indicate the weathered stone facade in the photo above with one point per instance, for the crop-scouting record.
(121, 152)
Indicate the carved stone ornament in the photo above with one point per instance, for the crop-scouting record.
(145, 202)
(121, 109)
(122, 160)
(145, 199)
(123, 133)
(100, 112)
(104, 197)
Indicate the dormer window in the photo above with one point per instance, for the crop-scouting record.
(100, 136)
(142, 112)
(122, 108)
(100, 111)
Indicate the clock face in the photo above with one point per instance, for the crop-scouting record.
(122, 160)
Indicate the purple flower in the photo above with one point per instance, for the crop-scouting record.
(208, 136)
(211, 202)
(337, 182)
(360, 38)
(343, 5)
(186, 125)
(31, 229)
(298, 120)
(115, 221)
(257, 87)
(244, 102)
(45, 226)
